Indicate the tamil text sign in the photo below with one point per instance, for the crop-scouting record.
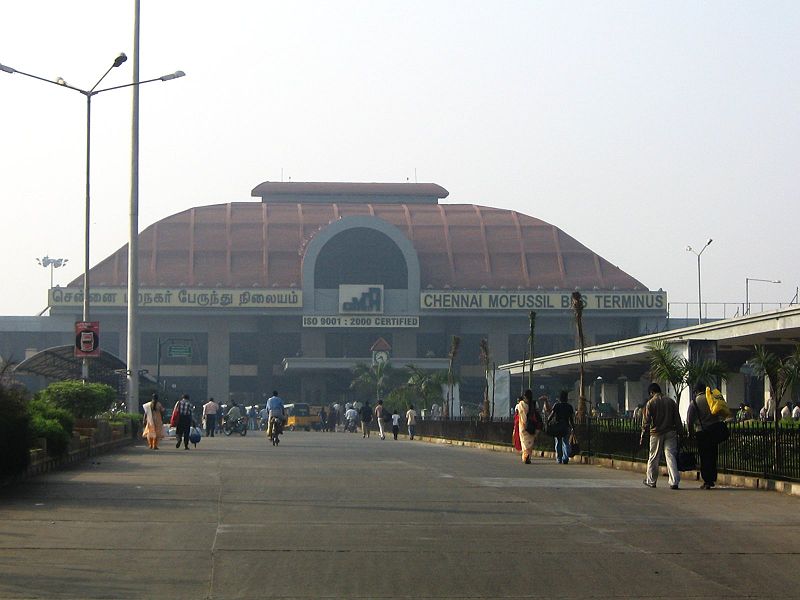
(181, 298)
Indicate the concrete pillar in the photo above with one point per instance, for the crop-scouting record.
(609, 394)
(634, 394)
(219, 361)
(734, 391)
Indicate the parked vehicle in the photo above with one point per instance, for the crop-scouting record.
(239, 425)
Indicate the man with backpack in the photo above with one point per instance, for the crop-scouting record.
(710, 430)
(661, 422)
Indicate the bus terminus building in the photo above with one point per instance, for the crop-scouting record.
(291, 292)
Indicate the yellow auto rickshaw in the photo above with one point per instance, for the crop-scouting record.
(298, 416)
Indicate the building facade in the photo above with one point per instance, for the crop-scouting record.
(290, 292)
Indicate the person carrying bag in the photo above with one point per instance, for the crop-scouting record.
(710, 431)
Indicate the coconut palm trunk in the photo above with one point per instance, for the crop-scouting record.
(451, 355)
(532, 317)
(486, 361)
(577, 309)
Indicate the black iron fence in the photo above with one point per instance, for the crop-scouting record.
(750, 450)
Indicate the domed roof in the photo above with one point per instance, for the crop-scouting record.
(261, 244)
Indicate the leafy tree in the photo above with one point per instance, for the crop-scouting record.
(82, 400)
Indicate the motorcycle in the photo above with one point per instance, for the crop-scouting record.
(276, 431)
(239, 425)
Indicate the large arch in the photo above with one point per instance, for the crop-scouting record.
(319, 241)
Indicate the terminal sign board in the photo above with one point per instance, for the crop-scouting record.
(525, 300)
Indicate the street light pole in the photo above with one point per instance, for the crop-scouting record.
(747, 281)
(699, 287)
(89, 94)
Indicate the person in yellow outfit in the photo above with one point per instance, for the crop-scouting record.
(153, 423)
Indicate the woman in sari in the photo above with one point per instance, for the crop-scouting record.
(526, 439)
(153, 423)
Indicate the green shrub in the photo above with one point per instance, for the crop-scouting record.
(15, 434)
(48, 410)
(55, 434)
(82, 400)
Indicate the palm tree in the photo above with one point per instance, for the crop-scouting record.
(373, 378)
(532, 317)
(486, 360)
(577, 309)
(451, 355)
(681, 372)
(783, 374)
(427, 384)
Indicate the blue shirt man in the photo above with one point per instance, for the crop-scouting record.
(275, 403)
(275, 408)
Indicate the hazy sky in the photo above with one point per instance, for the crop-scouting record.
(636, 127)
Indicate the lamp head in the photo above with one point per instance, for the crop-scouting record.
(689, 249)
(6, 69)
(120, 59)
(708, 243)
(172, 76)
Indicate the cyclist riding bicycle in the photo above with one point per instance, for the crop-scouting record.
(276, 410)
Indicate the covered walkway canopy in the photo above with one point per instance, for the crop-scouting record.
(59, 363)
(735, 338)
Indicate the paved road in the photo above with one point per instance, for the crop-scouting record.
(336, 516)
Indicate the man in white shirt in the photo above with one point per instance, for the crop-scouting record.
(210, 410)
(411, 421)
(785, 412)
(796, 412)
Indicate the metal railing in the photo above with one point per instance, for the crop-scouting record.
(750, 449)
(721, 310)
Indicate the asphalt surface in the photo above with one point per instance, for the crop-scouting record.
(329, 515)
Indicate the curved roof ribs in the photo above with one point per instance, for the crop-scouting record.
(522, 256)
(192, 224)
(559, 255)
(486, 260)
(447, 243)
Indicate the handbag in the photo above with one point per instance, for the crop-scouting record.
(574, 445)
(173, 420)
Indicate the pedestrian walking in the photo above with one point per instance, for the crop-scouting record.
(153, 429)
(184, 427)
(411, 421)
(210, 410)
(323, 419)
(560, 423)
(366, 419)
(710, 431)
(395, 424)
(527, 423)
(252, 416)
(380, 413)
(661, 423)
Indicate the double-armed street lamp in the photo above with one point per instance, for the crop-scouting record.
(89, 94)
(747, 281)
(53, 263)
(699, 288)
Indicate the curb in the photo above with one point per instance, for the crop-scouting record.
(739, 481)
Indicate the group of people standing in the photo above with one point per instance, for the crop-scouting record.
(358, 414)
(661, 427)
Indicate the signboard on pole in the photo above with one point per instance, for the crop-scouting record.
(87, 339)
